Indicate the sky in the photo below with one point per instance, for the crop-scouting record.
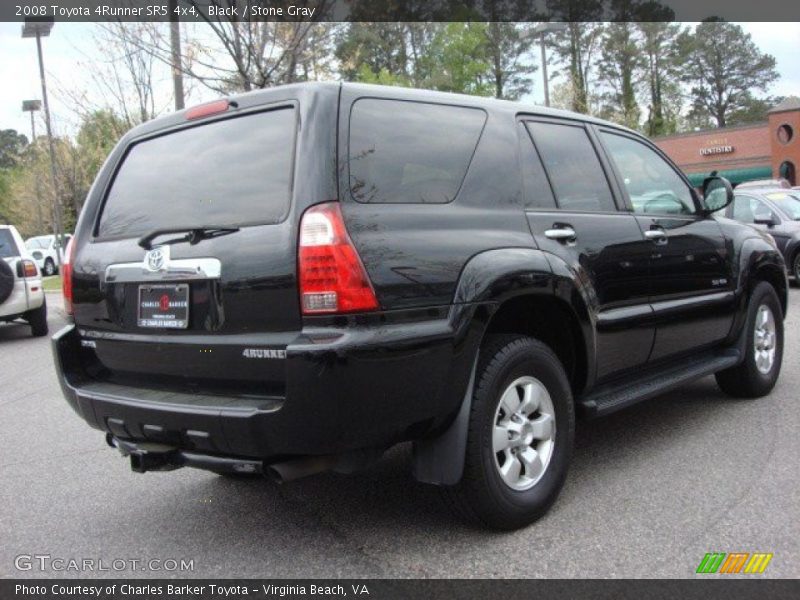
(66, 54)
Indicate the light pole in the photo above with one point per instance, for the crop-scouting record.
(39, 28)
(33, 106)
(541, 29)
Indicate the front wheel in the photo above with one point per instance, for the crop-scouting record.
(758, 372)
(520, 437)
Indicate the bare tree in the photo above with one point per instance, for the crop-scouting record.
(227, 55)
(122, 76)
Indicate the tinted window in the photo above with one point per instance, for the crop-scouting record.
(538, 193)
(410, 151)
(573, 167)
(653, 185)
(8, 247)
(228, 173)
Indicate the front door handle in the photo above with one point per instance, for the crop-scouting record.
(562, 234)
(657, 235)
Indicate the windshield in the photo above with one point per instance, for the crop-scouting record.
(38, 243)
(788, 203)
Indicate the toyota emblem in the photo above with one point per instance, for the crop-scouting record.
(157, 258)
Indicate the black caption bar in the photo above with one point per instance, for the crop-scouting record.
(229, 589)
(398, 10)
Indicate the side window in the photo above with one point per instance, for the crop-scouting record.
(573, 167)
(652, 184)
(746, 209)
(410, 151)
(538, 193)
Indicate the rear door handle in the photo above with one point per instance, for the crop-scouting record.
(563, 234)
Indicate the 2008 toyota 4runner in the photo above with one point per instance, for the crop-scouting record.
(296, 279)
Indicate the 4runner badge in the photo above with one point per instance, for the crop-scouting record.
(263, 353)
(157, 258)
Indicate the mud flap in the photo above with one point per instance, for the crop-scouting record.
(440, 460)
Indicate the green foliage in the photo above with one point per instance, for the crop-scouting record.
(507, 50)
(660, 49)
(12, 144)
(99, 133)
(457, 62)
(27, 192)
(752, 110)
(620, 68)
(724, 67)
(471, 58)
(5, 196)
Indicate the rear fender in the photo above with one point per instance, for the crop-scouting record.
(488, 280)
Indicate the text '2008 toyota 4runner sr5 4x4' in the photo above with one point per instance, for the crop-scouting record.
(296, 279)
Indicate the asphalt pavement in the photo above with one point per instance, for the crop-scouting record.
(651, 490)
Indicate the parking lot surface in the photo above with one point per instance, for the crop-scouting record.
(651, 490)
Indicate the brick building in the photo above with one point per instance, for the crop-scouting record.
(759, 151)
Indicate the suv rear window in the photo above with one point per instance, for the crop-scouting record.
(410, 152)
(8, 247)
(227, 173)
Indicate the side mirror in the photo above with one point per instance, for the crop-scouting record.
(767, 219)
(717, 193)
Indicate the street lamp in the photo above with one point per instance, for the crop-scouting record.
(39, 28)
(541, 29)
(33, 106)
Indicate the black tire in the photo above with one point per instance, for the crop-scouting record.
(6, 281)
(746, 380)
(37, 319)
(49, 268)
(482, 496)
(795, 267)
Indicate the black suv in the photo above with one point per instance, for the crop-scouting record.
(296, 279)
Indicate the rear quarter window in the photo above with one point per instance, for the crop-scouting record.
(8, 247)
(410, 152)
(227, 173)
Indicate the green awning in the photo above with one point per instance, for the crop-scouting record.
(735, 176)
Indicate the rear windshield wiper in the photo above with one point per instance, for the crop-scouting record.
(193, 235)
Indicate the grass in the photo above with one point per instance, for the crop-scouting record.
(52, 284)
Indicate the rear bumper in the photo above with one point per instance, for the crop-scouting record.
(26, 295)
(346, 390)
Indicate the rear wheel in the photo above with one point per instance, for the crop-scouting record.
(37, 319)
(520, 437)
(49, 267)
(758, 372)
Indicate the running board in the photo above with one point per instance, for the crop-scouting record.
(615, 396)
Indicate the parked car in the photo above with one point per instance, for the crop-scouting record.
(296, 279)
(765, 183)
(21, 293)
(47, 252)
(777, 212)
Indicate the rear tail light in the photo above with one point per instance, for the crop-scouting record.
(66, 276)
(27, 269)
(332, 276)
